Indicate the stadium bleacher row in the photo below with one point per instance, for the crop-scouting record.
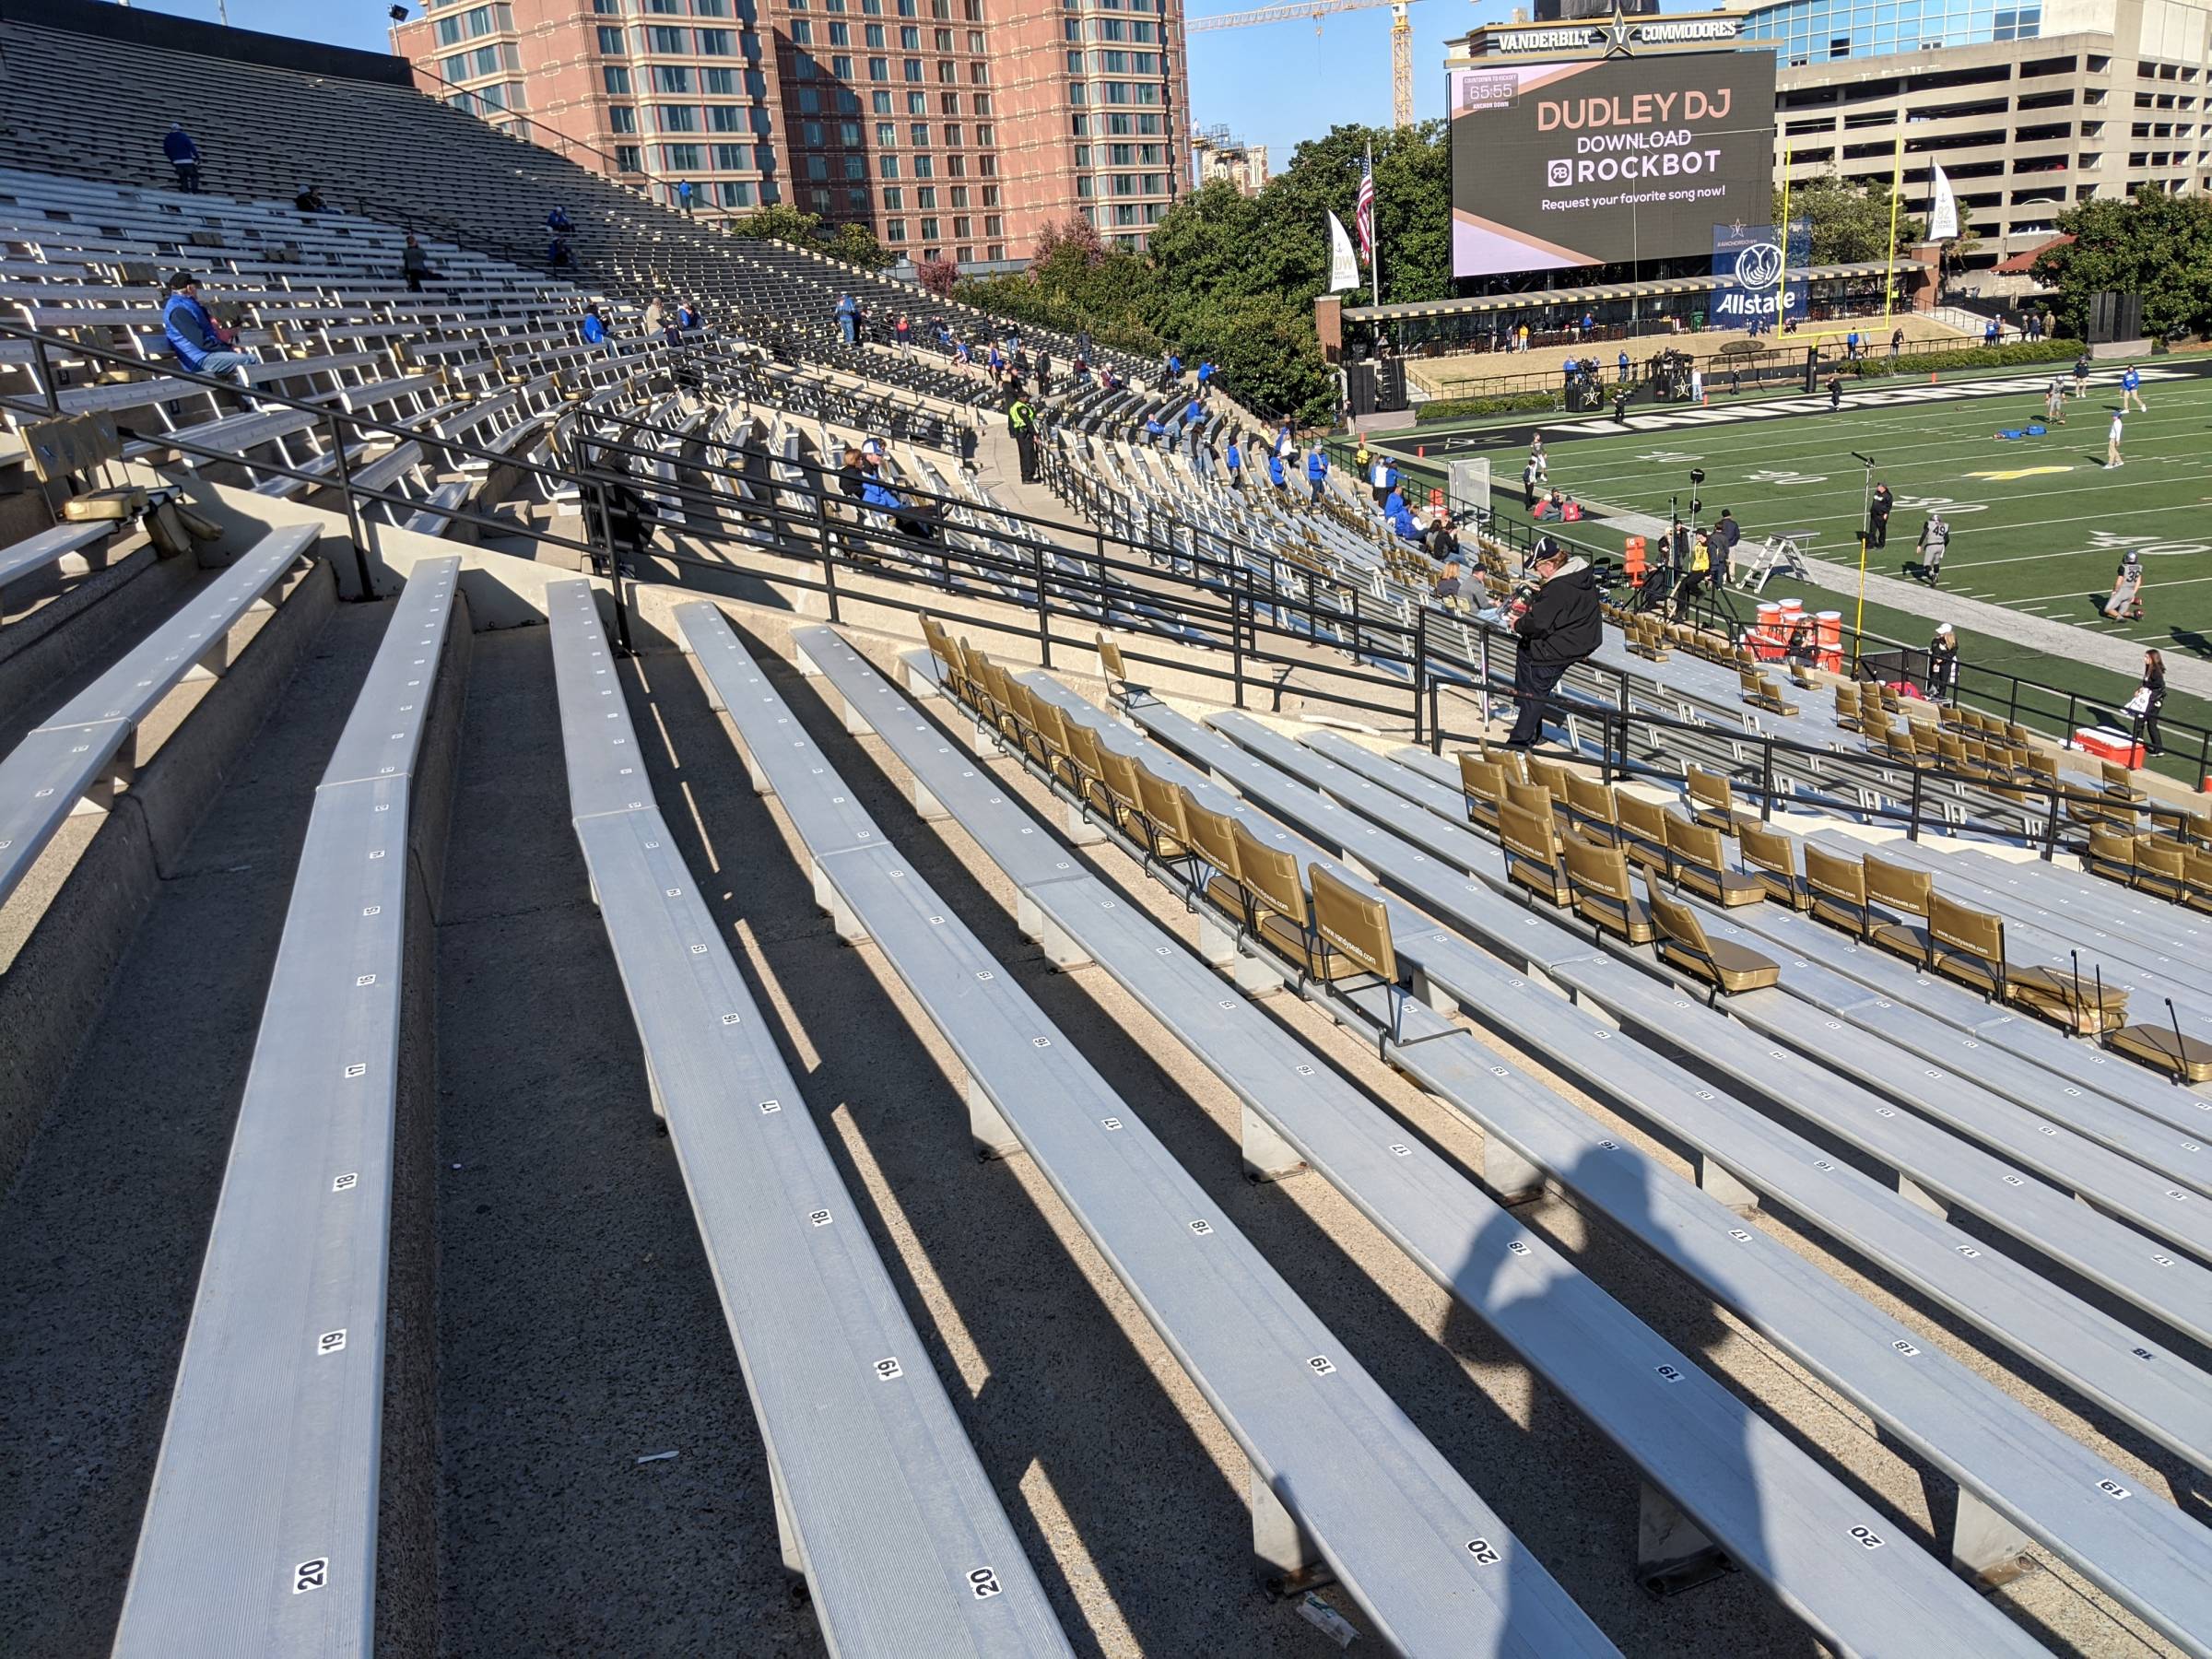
(493, 999)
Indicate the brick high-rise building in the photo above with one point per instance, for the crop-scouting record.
(952, 128)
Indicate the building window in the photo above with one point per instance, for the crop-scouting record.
(621, 118)
(817, 167)
(721, 82)
(910, 68)
(981, 102)
(626, 158)
(616, 80)
(802, 32)
(894, 198)
(929, 229)
(671, 78)
(856, 167)
(732, 158)
(717, 42)
(681, 157)
(925, 197)
(674, 118)
(894, 230)
(880, 69)
(672, 43)
(880, 102)
(887, 166)
(724, 118)
(810, 133)
(610, 40)
(924, 167)
(909, 40)
(734, 193)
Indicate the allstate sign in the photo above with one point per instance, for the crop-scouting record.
(1750, 261)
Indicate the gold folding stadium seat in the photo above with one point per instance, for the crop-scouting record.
(1118, 773)
(1590, 810)
(1761, 692)
(1514, 762)
(1084, 754)
(1533, 859)
(1698, 862)
(1351, 927)
(1168, 838)
(2198, 867)
(1847, 706)
(2120, 782)
(1050, 727)
(1642, 831)
(1770, 859)
(1722, 964)
(2161, 869)
(1551, 777)
(2165, 1049)
(1120, 687)
(1712, 802)
(1482, 788)
(1213, 838)
(1282, 916)
(1901, 889)
(1969, 946)
(1598, 879)
(2110, 854)
(1838, 886)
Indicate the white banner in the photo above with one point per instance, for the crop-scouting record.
(1942, 216)
(1344, 264)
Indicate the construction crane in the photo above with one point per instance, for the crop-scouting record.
(1401, 38)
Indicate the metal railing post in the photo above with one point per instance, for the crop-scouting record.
(1044, 609)
(53, 394)
(2051, 826)
(1912, 807)
(829, 550)
(1236, 632)
(1421, 666)
(353, 509)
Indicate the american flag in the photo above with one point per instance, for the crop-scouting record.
(1363, 214)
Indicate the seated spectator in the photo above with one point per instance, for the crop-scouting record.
(1570, 510)
(592, 328)
(1155, 432)
(185, 156)
(202, 345)
(687, 315)
(557, 255)
(875, 493)
(1442, 540)
(1447, 590)
(1275, 475)
(557, 222)
(309, 200)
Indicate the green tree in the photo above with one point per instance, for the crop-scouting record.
(780, 222)
(856, 245)
(1850, 221)
(2153, 245)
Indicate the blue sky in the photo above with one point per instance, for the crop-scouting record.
(1271, 85)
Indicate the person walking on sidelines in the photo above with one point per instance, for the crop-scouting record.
(2149, 697)
(1878, 507)
(2081, 376)
(1835, 393)
(1558, 621)
(2126, 602)
(2112, 444)
(185, 156)
(1943, 665)
(2131, 390)
(1934, 542)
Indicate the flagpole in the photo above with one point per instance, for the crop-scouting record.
(1374, 250)
(1781, 283)
(1897, 185)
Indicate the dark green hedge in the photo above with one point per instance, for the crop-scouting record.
(1511, 403)
(1879, 366)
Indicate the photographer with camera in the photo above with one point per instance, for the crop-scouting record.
(1558, 622)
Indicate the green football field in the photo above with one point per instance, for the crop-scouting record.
(2038, 523)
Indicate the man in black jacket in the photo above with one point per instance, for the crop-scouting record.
(1561, 625)
(1879, 508)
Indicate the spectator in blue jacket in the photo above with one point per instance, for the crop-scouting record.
(1206, 374)
(1233, 458)
(1317, 469)
(185, 156)
(1401, 516)
(201, 344)
(848, 319)
(1154, 433)
(557, 222)
(882, 496)
(593, 327)
(1194, 414)
(1275, 472)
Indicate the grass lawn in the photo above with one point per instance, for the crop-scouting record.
(2038, 525)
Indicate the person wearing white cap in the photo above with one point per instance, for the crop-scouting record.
(1943, 665)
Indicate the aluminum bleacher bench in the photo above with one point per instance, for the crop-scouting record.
(75, 759)
(264, 1500)
(1338, 1473)
(880, 1502)
(1693, 1439)
(435, 517)
(1932, 1161)
(58, 546)
(2018, 1475)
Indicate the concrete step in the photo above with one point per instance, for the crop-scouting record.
(102, 1229)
